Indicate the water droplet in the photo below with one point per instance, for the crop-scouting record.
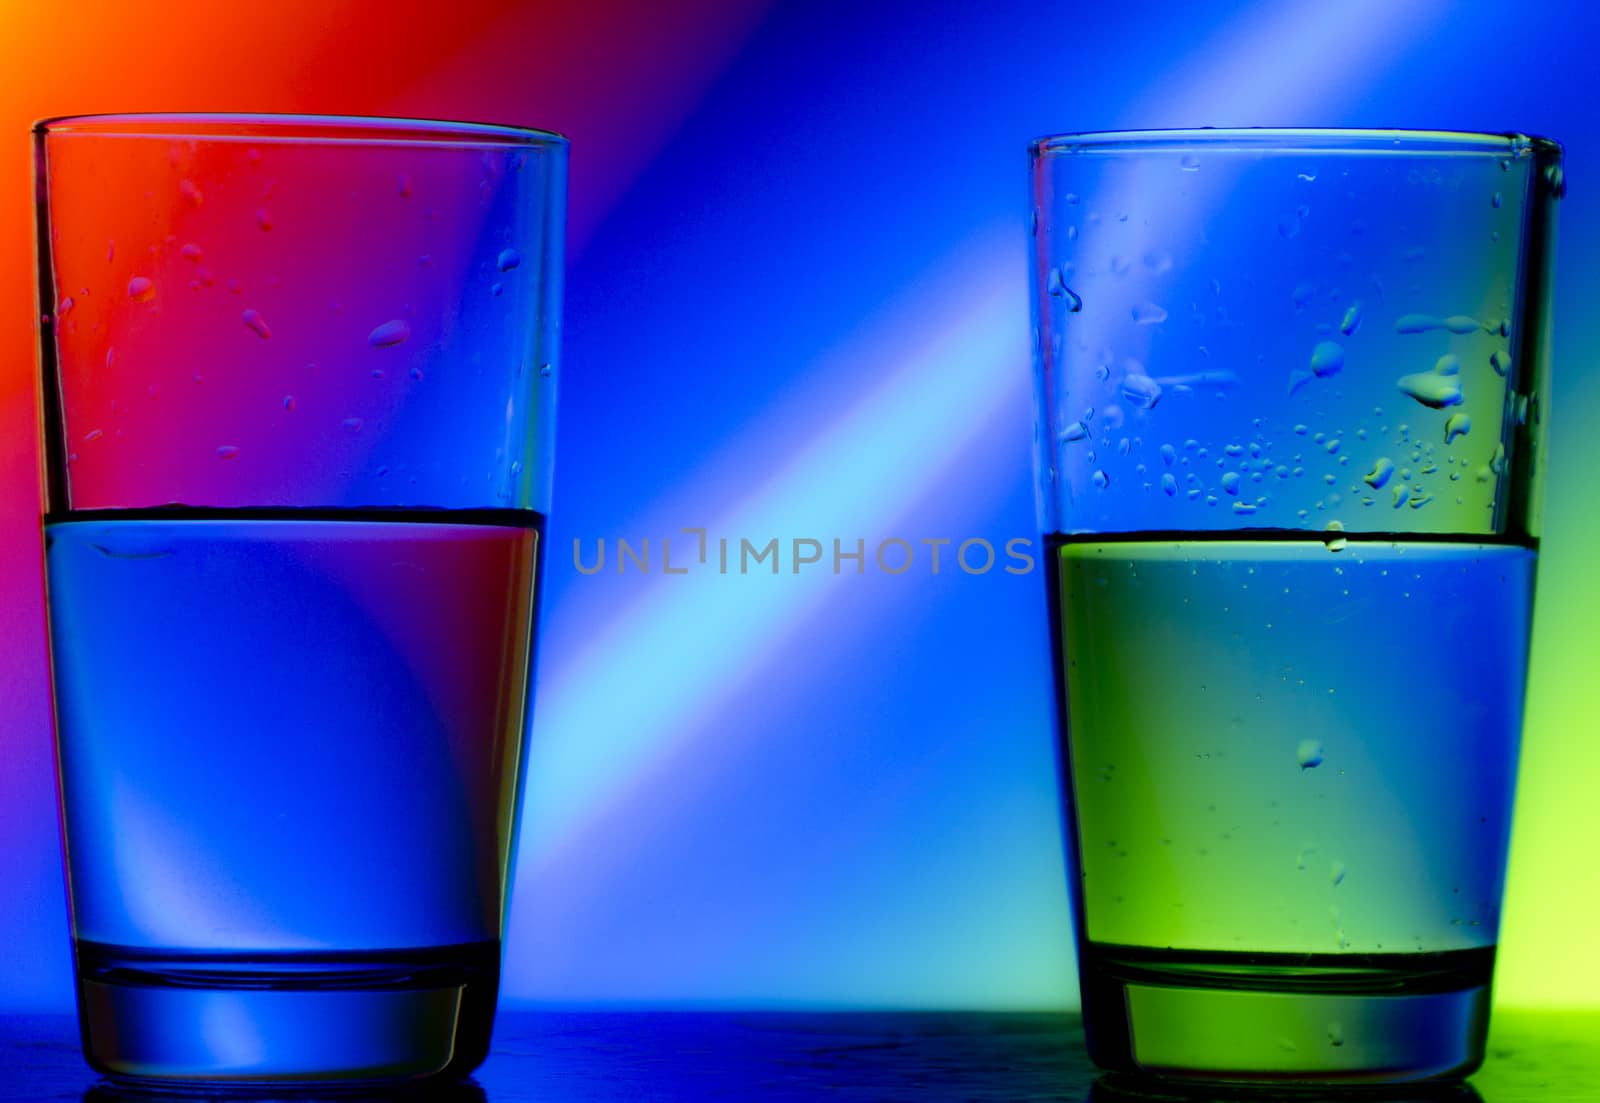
(1556, 179)
(1416, 323)
(352, 424)
(416, 373)
(545, 371)
(257, 323)
(1056, 284)
(1335, 1034)
(402, 185)
(1402, 493)
(234, 286)
(263, 218)
(227, 451)
(1169, 484)
(1298, 379)
(1495, 201)
(1301, 295)
(1500, 362)
(1141, 391)
(389, 333)
(1309, 754)
(1433, 389)
(191, 252)
(1244, 507)
(1462, 323)
(1497, 462)
(1122, 446)
(377, 373)
(1148, 314)
(1332, 446)
(1336, 873)
(1158, 262)
(1288, 226)
(1169, 454)
(1334, 538)
(1070, 199)
(1459, 425)
(508, 259)
(1326, 359)
(1352, 319)
(141, 290)
(495, 289)
(1230, 482)
(1075, 432)
(1189, 163)
(1379, 475)
(1121, 265)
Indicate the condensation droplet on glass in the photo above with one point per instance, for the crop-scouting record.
(402, 185)
(1169, 455)
(191, 252)
(257, 324)
(545, 371)
(227, 451)
(352, 424)
(1288, 226)
(1189, 163)
(1462, 323)
(141, 289)
(1230, 482)
(1309, 754)
(507, 260)
(1326, 359)
(495, 289)
(263, 218)
(1352, 319)
(1148, 313)
(234, 286)
(1075, 432)
(1244, 507)
(1433, 389)
(416, 373)
(1458, 425)
(1380, 473)
(1100, 479)
(1500, 362)
(1416, 323)
(389, 334)
(1141, 391)
(1169, 484)
(1335, 1034)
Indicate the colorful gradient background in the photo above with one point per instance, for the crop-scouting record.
(796, 306)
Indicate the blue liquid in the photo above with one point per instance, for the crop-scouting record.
(289, 756)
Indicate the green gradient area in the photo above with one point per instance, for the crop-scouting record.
(1547, 957)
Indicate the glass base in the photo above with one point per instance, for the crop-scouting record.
(286, 1019)
(1318, 1019)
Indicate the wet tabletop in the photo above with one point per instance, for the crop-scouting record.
(929, 1057)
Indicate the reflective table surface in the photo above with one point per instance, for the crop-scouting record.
(930, 1057)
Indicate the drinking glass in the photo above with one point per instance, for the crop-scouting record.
(298, 389)
(1291, 393)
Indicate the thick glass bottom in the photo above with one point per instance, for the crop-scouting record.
(288, 1018)
(1282, 1019)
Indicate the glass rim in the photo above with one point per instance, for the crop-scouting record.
(1334, 140)
(300, 128)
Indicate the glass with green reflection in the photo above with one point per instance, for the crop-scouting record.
(1290, 401)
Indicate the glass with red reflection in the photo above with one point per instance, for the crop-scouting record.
(298, 392)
